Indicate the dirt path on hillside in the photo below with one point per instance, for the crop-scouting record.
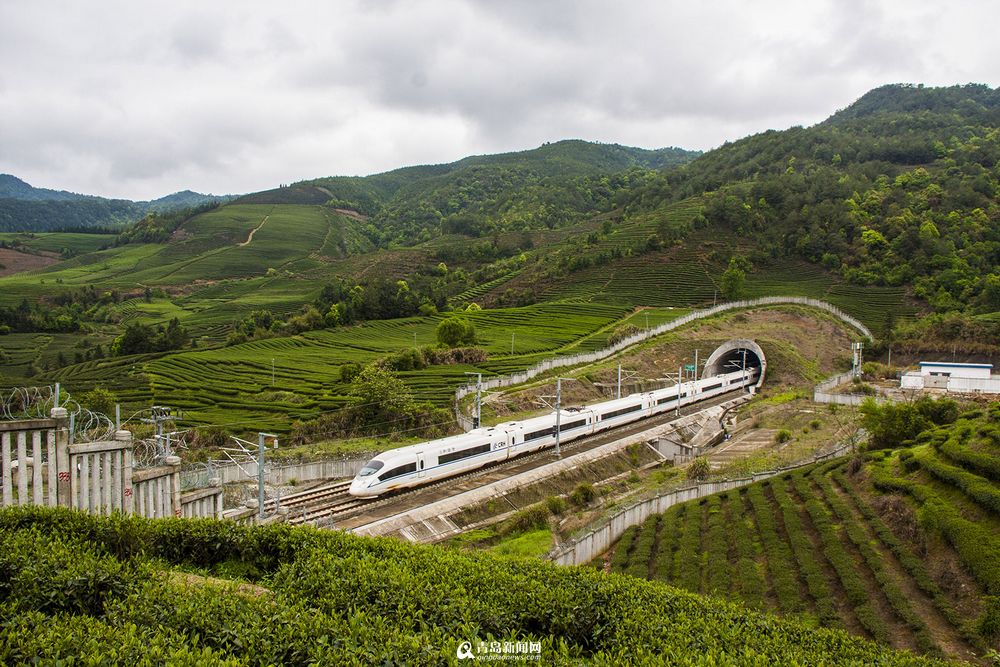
(252, 232)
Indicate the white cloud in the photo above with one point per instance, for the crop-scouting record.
(141, 99)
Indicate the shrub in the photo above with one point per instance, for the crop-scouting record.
(583, 494)
(989, 621)
(699, 469)
(623, 332)
(349, 371)
(536, 516)
(784, 435)
(555, 504)
(209, 436)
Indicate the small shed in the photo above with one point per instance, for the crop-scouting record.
(678, 452)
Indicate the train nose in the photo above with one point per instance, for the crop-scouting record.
(357, 487)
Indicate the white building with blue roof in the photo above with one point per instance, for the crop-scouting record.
(954, 377)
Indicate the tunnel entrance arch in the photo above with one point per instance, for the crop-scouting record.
(734, 355)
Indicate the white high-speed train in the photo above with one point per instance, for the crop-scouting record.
(434, 460)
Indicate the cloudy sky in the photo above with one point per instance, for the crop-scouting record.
(139, 99)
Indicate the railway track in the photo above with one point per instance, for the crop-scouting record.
(326, 505)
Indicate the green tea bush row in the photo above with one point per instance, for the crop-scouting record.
(663, 563)
(687, 559)
(975, 544)
(980, 490)
(749, 583)
(718, 571)
(780, 561)
(805, 556)
(642, 552)
(913, 565)
(620, 557)
(984, 464)
(873, 559)
(854, 586)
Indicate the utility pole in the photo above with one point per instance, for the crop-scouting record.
(477, 420)
(619, 381)
(680, 377)
(856, 348)
(512, 343)
(158, 415)
(414, 340)
(272, 371)
(558, 411)
(261, 450)
(696, 365)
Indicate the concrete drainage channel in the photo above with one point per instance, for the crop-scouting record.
(498, 499)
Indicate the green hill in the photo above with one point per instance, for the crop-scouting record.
(899, 189)
(903, 548)
(209, 592)
(888, 210)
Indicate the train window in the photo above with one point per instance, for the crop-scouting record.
(464, 453)
(621, 411)
(372, 466)
(535, 435)
(571, 425)
(397, 471)
(712, 387)
(670, 398)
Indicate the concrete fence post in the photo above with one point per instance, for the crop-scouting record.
(64, 488)
(175, 484)
(128, 497)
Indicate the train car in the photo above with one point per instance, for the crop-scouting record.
(435, 460)
(621, 411)
(424, 462)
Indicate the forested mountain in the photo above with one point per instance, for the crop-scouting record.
(24, 208)
(900, 188)
(12, 187)
(544, 188)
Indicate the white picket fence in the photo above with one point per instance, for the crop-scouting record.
(591, 357)
(39, 466)
(586, 548)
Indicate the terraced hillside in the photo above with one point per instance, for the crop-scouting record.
(275, 380)
(904, 549)
(122, 589)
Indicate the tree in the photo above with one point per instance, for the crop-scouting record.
(733, 280)
(891, 424)
(100, 400)
(455, 331)
(380, 398)
(137, 339)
